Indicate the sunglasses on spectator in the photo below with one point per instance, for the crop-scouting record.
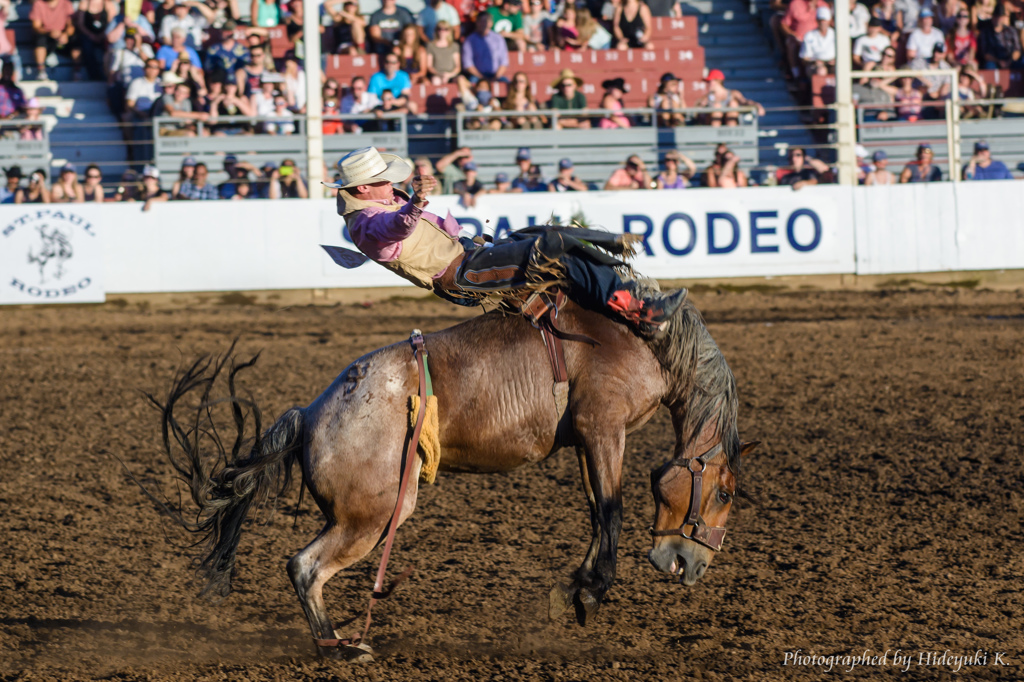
(390, 61)
(443, 28)
(95, 176)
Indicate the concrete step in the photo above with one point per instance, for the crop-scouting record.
(733, 53)
(724, 37)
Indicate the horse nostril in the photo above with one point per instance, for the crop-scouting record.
(701, 567)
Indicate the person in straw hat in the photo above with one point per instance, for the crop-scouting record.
(568, 96)
(395, 230)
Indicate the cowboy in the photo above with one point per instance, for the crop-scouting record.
(396, 231)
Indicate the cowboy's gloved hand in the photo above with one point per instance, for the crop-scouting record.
(422, 186)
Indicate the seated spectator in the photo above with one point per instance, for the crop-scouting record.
(432, 14)
(224, 11)
(143, 92)
(614, 89)
(818, 50)
(501, 184)
(332, 124)
(12, 100)
(169, 54)
(477, 98)
(860, 15)
(32, 124)
(880, 175)
(935, 87)
(192, 16)
(294, 84)
(468, 188)
(671, 178)
(120, 26)
(67, 190)
(537, 22)
(198, 188)
(720, 97)
(565, 34)
(922, 170)
(983, 167)
(348, 27)
(37, 192)
(946, 12)
(191, 74)
(982, 13)
(669, 102)
(265, 13)
(890, 18)
(176, 103)
(358, 100)
(392, 78)
(411, 55)
(450, 166)
(12, 189)
(283, 120)
(963, 45)
(385, 26)
(925, 38)
(8, 50)
(228, 102)
(523, 161)
(725, 170)
(287, 183)
(867, 50)
(443, 57)
(520, 98)
(593, 36)
(803, 170)
(53, 29)
(254, 41)
(908, 100)
(533, 182)
(632, 25)
(152, 193)
(126, 63)
(263, 100)
(799, 19)
(389, 105)
(185, 174)
(909, 13)
(970, 87)
(227, 55)
(129, 190)
(484, 53)
(878, 91)
(999, 44)
(568, 96)
(507, 21)
(92, 189)
(632, 175)
(250, 76)
(565, 181)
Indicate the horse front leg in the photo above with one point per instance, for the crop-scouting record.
(601, 465)
(563, 595)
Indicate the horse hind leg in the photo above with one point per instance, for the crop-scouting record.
(333, 549)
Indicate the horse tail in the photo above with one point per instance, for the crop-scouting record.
(224, 491)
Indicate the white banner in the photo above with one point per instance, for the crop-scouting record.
(51, 253)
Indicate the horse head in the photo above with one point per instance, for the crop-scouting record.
(693, 494)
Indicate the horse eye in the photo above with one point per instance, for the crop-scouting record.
(724, 497)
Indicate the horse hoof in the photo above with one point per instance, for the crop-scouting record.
(586, 606)
(559, 601)
(360, 653)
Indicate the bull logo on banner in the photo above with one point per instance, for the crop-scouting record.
(49, 255)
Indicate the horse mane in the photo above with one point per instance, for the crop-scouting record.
(699, 379)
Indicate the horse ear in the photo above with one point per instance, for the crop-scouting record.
(748, 447)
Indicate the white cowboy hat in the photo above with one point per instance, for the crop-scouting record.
(366, 166)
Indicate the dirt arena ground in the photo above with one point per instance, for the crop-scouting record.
(890, 486)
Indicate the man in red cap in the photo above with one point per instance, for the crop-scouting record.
(720, 97)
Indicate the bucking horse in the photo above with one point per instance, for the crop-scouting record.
(494, 412)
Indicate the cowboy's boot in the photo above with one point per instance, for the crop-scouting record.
(650, 314)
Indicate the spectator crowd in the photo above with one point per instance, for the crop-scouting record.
(920, 35)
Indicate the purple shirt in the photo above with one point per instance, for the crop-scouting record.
(487, 53)
(379, 233)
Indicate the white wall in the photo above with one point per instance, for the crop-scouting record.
(231, 246)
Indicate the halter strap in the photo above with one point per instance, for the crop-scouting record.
(711, 537)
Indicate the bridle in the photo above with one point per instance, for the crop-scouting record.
(711, 537)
